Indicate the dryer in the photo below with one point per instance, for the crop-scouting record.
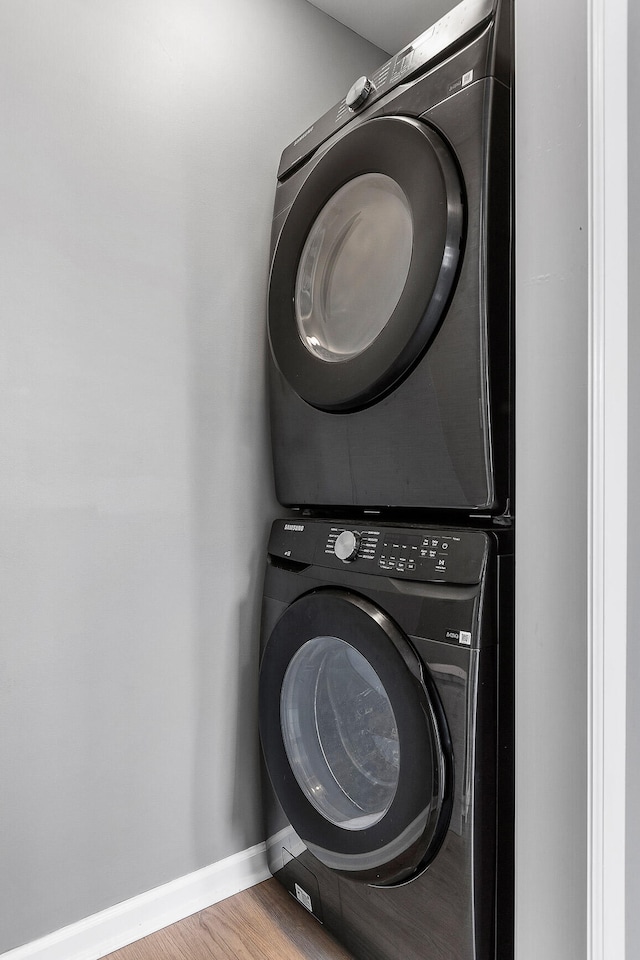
(386, 722)
(389, 305)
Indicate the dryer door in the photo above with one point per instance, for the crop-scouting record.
(366, 262)
(354, 738)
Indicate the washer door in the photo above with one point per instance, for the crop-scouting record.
(366, 263)
(354, 738)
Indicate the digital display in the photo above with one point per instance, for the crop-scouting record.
(402, 63)
(402, 544)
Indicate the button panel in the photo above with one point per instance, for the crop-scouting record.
(413, 553)
(426, 50)
(428, 553)
(398, 554)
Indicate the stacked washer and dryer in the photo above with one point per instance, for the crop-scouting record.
(386, 675)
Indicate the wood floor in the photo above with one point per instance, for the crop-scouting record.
(262, 923)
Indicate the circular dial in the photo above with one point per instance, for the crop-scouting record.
(358, 93)
(346, 545)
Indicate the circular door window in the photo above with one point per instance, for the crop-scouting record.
(340, 733)
(354, 737)
(353, 267)
(366, 263)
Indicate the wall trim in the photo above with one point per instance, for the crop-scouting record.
(607, 521)
(111, 929)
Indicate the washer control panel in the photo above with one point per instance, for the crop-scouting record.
(404, 552)
(430, 550)
(432, 553)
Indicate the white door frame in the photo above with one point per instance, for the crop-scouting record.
(607, 522)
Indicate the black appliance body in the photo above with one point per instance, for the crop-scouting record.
(386, 722)
(389, 306)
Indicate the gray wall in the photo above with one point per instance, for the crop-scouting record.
(389, 23)
(633, 644)
(140, 142)
(552, 471)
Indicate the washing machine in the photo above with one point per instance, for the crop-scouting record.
(386, 723)
(389, 304)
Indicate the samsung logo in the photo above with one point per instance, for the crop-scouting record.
(302, 136)
(295, 527)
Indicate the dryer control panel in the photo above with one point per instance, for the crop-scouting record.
(445, 555)
(427, 49)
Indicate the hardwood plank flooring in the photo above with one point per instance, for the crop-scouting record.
(262, 923)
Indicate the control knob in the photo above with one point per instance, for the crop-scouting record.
(346, 546)
(359, 93)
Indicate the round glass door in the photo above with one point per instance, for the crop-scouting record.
(366, 263)
(354, 737)
(340, 733)
(353, 267)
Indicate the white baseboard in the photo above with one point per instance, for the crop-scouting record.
(104, 932)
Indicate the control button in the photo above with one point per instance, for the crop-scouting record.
(359, 93)
(346, 546)
(445, 545)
